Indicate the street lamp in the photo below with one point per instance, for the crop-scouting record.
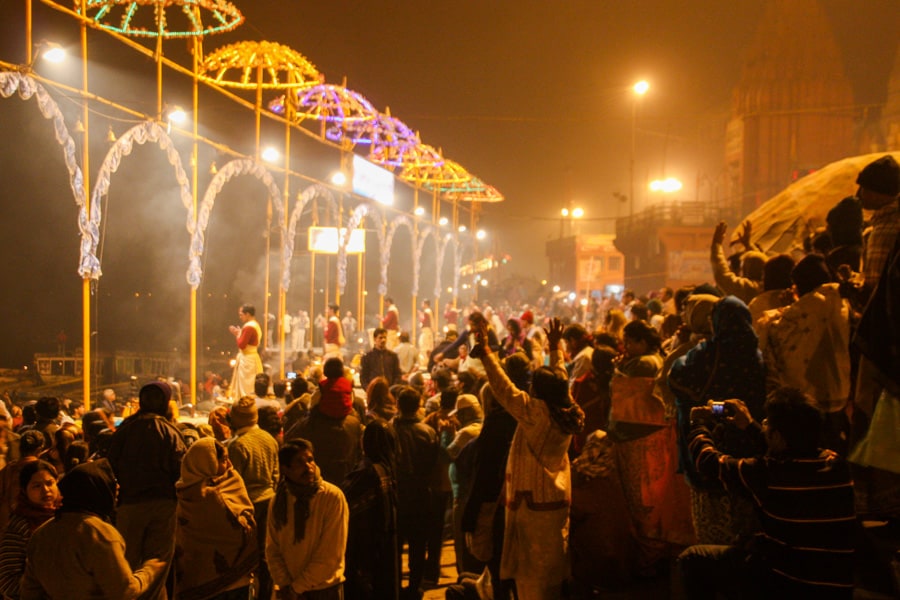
(271, 155)
(640, 88)
(569, 214)
(669, 185)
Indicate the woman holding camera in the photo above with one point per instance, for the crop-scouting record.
(726, 365)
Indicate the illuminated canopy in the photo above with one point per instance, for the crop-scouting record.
(333, 104)
(163, 18)
(432, 174)
(252, 65)
(473, 190)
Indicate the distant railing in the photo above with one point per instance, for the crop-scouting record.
(687, 214)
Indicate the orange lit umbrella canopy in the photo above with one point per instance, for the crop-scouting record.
(252, 65)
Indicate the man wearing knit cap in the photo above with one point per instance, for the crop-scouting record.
(254, 455)
(145, 453)
(879, 185)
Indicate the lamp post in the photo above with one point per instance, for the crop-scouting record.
(640, 88)
(569, 214)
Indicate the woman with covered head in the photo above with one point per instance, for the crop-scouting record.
(726, 365)
(373, 550)
(38, 500)
(215, 532)
(537, 488)
(79, 554)
(516, 340)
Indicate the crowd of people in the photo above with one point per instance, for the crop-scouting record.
(742, 429)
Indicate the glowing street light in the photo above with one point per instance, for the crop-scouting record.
(443, 221)
(53, 53)
(668, 185)
(481, 234)
(339, 178)
(640, 88)
(569, 214)
(461, 229)
(270, 154)
(420, 210)
(177, 115)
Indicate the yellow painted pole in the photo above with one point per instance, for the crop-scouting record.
(28, 43)
(265, 315)
(437, 240)
(86, 173)
(360, 301)
(312, 297)
(282, 293)
(312, 277)
(415, 237)
(258, 111)
(195, 157)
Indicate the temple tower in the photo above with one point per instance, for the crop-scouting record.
(891, 114)
(792, 109)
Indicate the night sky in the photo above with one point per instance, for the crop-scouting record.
(532, 97)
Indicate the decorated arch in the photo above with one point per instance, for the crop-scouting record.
(442, 245)
(359, 213)
(427, 232)
(229, 171)
(388, 242)
(148, 131)
(27, 87)
(303, 199)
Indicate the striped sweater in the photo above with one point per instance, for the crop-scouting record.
(806, 509)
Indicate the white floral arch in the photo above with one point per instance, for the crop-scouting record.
(235, 168)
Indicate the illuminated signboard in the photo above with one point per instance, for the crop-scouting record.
(324, 240)
(372, 181)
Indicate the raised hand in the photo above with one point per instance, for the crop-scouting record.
(744, 235)
(554, 331)
(719, 234)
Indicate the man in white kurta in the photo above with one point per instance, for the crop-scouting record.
(247, 362)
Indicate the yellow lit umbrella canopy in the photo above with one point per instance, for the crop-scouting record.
(163, 18)
(252, 65)
(784, 221)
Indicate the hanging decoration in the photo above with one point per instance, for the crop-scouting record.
(165, 19)
(359, 213)
(27, 87)
(439, 260)
(426, 232)
(303, 198)
(235, 168)
(148, 131)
